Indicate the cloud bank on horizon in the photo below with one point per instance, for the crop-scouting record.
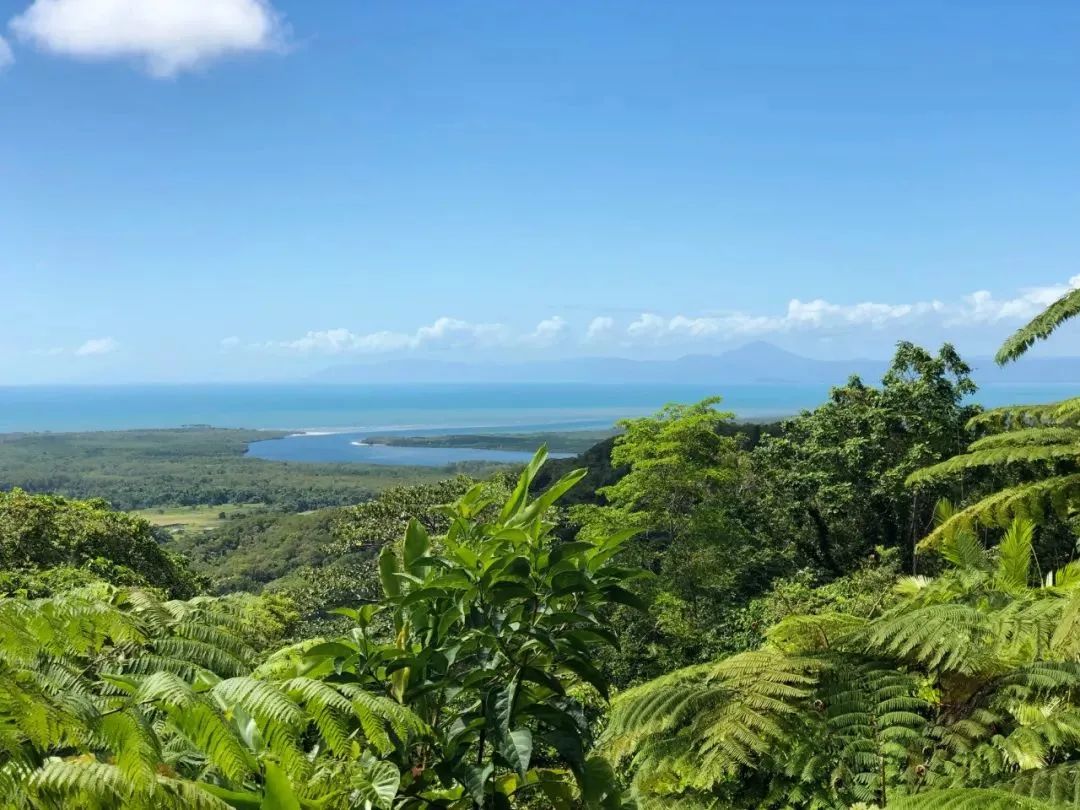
(648, 330)
(166, 37)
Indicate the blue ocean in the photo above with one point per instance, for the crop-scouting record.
(336, 416)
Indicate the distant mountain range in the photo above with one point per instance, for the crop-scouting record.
(758, 362)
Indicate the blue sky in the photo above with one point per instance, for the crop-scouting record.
(236, 190)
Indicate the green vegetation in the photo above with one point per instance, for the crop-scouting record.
(139, 469)
(874, 604)
(571, 441)
(48, 542)
(250, 549)
(112, 698)
(969, 681)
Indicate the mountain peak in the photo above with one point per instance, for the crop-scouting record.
(760, 348)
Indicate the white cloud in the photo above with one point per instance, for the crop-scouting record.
(94, 346)
(979, 308)
(822, 313)
(6, 56)
(817, 316)
(547, 333)
(167, 36)
(444, 333)
(600, 329)
(982, 307)
(229, 343)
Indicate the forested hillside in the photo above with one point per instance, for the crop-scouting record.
(875, 604)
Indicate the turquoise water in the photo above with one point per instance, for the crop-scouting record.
(332, 420)
(350, 447)
(372, 407)
(410, 408)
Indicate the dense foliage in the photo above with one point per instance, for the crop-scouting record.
(970, 681)
(728, 511)
(48, 543)
(249, 550)
(873, 604)
(956, 691)
(834, 480)
(143, 468)
(472, 695)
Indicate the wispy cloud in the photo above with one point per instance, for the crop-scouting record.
(96, 346)
(6, 56)
(166, 36)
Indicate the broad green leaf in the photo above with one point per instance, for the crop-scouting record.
(614, 593)
(388, 567)
(587, 672)
(476, 782)
(522, 738)
(416, 543)
(570, 549)
(377, 785)
(331, 649)
(278, 793)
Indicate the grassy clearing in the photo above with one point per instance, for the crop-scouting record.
(195, 518)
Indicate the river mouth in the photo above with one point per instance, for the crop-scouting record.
(327, 447)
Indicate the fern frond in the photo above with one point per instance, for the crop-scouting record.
(938, 637)
(995, 457)
(1014, 556)
(707, 722)
(1027, 437)
(378, 715)
(91, 785)
(1014, 417)
(1040, 327)
(970, 799)
(1032, 500)
(1059, 785)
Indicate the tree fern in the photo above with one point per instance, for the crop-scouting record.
(971, 799)
(962, 694)
(157, 700)
(1040, 327)
(1032, 501)
(1039, 442)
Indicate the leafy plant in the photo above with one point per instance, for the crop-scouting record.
(493, 633)
(969, 682)
(110, 697)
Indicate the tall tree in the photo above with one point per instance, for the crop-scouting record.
(833, 481)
